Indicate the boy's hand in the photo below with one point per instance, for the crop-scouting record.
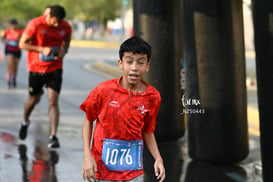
(89, 169)
(159, 170)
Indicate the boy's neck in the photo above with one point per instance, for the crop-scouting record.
(140, 87)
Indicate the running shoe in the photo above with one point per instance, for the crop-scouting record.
(23, 131)
(53, 142)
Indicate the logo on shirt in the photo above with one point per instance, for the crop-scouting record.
(114, 104)
(44, 31)
(62, 33)
(142, 109)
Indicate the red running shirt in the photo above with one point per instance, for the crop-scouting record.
(13, 35)
(121, 115)
(44, 35)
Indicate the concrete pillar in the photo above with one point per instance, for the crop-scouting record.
(215, 69)
(173, 161)
(197, 172)
(263, 36)
(159, 22)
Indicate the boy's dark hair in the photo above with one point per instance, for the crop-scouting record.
(57, 11)
(135, 45)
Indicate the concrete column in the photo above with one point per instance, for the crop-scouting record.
(159, 22)
(263, 36)
(215, 69)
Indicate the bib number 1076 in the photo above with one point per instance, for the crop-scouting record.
(112, 156)
(122, 155)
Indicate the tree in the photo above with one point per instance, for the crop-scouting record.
(23, 10)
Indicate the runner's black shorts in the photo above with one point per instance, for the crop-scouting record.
(38, 80)
(16, 54)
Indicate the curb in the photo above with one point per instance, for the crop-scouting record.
(104, 69)
(253, 121)
(250, 53)
(94, 44)
(115, 45)
(114, 70)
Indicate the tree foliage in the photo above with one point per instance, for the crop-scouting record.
(23, 10)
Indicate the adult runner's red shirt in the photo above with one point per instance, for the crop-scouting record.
(121, 115)
(44, 35)
(13, 35)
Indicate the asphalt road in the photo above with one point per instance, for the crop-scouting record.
(20, 160)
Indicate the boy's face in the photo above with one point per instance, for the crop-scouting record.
(134, 67)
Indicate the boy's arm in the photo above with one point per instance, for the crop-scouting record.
(151, 144)
(89, 167)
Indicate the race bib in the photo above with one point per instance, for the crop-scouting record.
(122, 155)
(12, 43)
(51, 56)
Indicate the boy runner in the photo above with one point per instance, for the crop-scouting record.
(125, 110)
(47, 40)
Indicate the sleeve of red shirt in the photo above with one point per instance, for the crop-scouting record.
(91, 105)
(68, 30)
(30, 29)
(69, 33)
(150, 120)
(21, 32)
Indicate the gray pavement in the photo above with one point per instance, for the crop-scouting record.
(14, 162)
(30, 160)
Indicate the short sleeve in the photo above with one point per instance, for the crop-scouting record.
(30, 29)
(67, 28)
(68, 32)
(21, 32)
(150, 119)
(91, 105)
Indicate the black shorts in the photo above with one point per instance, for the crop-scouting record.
(38, 80)
(16, 54)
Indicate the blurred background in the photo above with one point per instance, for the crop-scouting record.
(91, 20)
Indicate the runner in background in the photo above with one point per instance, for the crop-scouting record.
(11, 39)
(47, 40)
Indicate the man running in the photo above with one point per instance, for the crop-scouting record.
(47, 40)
